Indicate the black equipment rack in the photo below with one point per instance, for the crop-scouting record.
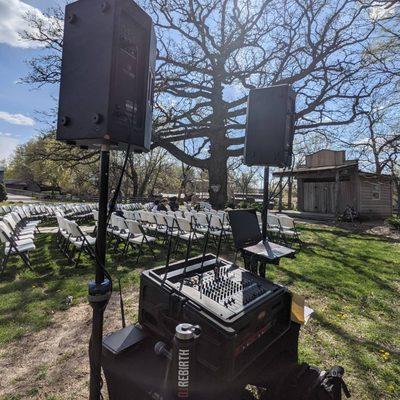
(233, 335)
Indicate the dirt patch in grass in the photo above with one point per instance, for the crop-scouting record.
(53, 363)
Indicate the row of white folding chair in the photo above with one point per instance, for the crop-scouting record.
(15, 246)
(177, 224)
(131, 233)
(159, 223)
(202, 221)
(41, 210)
(119, 227)
(130, 207)
(78, 211)
(5, 209)
(17, 237)
(18, 223)
(212, 222)
(71, 235)
(280, 225)
(180, 228)
(172, 223)
(26, 214)
(34, 211)
(199, 222)
(129, 214)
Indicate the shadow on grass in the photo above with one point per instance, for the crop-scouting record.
(347, 233)
(28, 299)
(358, 259)
(364, 356)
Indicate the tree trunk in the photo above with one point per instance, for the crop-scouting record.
(397, 184)
(290, 191)
(135, 182)
(337, 195)
(218, 180)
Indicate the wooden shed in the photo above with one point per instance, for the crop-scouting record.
(328, 183)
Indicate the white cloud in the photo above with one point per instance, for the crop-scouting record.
(12, 22)
(8, 145)
(16, 119)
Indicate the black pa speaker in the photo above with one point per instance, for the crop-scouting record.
(270, 126)
(107, 75)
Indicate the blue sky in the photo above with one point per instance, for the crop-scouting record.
(19, 103)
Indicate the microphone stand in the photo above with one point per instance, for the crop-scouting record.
(100, 289)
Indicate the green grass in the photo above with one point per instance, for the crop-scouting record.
(29, 299)
(9, 203)
(350, 280)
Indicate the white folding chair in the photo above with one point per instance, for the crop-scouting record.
(288, 228)
(179, 214)
(273, 226)
(138, 238)
(20, 247)
(80, 241)
(217, 228)
(161, 225)
(16, 228)
(202, 223)
(122, 235)
(186, 232)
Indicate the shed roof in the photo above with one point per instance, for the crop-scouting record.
(303, 169)
(374, 175)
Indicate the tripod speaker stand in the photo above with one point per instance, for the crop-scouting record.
(101, 288)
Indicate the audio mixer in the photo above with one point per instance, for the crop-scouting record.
(224, 290)
(240, 314)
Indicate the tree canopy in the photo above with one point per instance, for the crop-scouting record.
(335, 54)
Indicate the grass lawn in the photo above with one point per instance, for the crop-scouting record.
(351, 281)
(9, 203)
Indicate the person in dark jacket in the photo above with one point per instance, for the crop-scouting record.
(173, 203)
(164, 206)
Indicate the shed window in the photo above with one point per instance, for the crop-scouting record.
(376, 191)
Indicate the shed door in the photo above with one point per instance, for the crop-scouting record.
(319, 197)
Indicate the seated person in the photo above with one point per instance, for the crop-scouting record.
(195, 203)
(164, 206)
(155, 206)
(173, 203)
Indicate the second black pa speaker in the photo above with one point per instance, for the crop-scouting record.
(107, 75)
(270, 126)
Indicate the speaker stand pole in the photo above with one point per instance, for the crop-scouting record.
(99, 289)
(265, 204)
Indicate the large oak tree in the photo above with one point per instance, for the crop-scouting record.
(211, 52)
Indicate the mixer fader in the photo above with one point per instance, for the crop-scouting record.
(229, 286)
